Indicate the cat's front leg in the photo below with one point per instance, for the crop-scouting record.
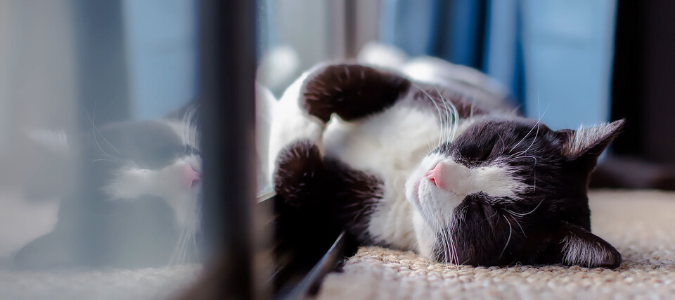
(351, 91)
(347, 90)
(295, 148)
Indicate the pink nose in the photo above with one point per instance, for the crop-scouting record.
(435, 175)
(190, 176)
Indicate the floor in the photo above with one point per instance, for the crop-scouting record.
(640, 224)
(143, 284)
(22, 221)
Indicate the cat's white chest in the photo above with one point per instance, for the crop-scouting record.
(388, 145)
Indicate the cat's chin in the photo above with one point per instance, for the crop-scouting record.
(424, 234)
(412, 188)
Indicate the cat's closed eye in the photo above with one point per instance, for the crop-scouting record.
(475, 153)
(189, 150)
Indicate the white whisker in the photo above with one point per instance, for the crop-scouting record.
(93, 125)
(455, 113)
(535, 125)
(509, 239)
(440, 114)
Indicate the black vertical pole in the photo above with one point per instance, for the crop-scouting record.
(227, 39)
(350, 29)
(103, 95)
(102, 62)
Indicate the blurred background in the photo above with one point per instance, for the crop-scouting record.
(568, 62)
(62, 62)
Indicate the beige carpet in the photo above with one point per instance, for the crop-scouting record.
(641, 225)
(143, 284)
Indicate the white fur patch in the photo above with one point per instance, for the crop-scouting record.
(265, 104)
(584, 138)
(579, 252)
(291, 123)
(467, 80)
(459, 181)
(426, 236)
(388, 145)
(132, 183)
(494, 180)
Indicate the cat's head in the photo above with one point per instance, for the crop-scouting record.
(134, 197)
(156, 158)
(130, 161)
(511, 190)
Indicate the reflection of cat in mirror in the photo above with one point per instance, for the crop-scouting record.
(436, 168)
(137, 203)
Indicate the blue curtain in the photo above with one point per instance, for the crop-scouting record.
(554, 54)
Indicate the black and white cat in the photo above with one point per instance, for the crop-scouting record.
(136, 204)
(429, 168)
(137, 200)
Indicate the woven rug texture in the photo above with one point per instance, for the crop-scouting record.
(640, 224)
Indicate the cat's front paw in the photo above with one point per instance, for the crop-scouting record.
(351, 91)
(299, 174)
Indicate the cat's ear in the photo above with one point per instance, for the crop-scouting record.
(186, 113)
(588, 143)
(577, 246)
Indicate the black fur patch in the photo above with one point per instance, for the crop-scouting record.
(352, 91)
(356, 193)
(299, 176)
(304, 224)
(316, 200)
(327, 190)
(575, 245)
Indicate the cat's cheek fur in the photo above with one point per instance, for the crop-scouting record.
(437, 205)
(132, 183)
(186, 209)
(426, 236)
(495, 180)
